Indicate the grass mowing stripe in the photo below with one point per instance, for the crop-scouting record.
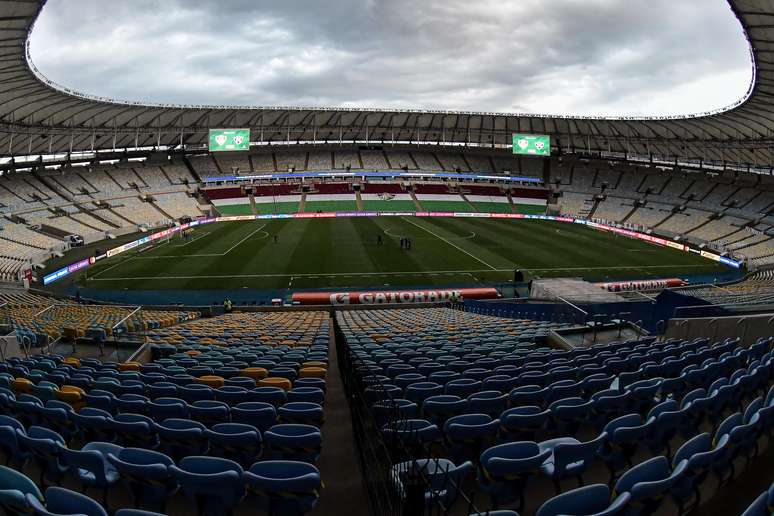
(450, 243)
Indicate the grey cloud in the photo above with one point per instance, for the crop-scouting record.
(556, 56)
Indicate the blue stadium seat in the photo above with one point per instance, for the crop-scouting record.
(505, 469)
(15, 488)
(60, 501)
(284, 487)
(235, 441)
(589, 500)
(570, 458)
(648, 483)
(212, 484)
(444, 480)
(182, 437)
(293, 442)
(44, 447)
(469, 434)
(523, 423)
(92, 467)
(147, 476)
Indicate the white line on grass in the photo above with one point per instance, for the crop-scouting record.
(403, 273)
(245, 238)
(310, 275)
(450, 243)
(194, 239)
(120, 262)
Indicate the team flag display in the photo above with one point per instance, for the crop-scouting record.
(532, 144)
(223, 140)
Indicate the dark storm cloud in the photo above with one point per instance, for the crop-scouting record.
(539, 56)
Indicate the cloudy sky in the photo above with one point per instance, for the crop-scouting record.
(582, 57)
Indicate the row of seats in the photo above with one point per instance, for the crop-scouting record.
(214, 486)
(476, 403)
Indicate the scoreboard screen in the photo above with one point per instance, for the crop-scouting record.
(223, 140)
(532, 144)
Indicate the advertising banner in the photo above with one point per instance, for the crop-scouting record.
(635, 285)
(391, 296)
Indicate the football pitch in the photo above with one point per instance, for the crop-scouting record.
(345, 252)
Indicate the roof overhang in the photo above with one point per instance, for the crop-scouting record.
(38, 116)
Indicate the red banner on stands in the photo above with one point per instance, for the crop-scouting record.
(391, 296)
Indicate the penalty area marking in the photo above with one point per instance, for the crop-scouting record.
(450, 243)
(208, 255)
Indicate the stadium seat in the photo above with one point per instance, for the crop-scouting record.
(469, 434)
(444, 480)
(212, 484)
(648, 483)
(92, 467)
(570, 458)
(15, 488)
(60, 501)
(147, 476)
(505, 469)
(593, 499)
(293, 442)
(182, 437)
(238, 442)
(284, 487)
(44, 447)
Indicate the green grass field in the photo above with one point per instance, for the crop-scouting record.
(316, 253)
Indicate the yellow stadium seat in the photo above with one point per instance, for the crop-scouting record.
(21, 385)
(315, 363)
(312, 372)
(282, 383)
(216, 382)
(72, 361)
(256, 373)
(72, 395)
(129, 366)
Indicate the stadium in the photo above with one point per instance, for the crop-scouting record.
(285, 310)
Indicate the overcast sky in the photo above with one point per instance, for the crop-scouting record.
(581, 57)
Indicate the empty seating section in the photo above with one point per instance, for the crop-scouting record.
(205, 166)
(228, 406)
(23, 235)
(346, 159)
(291, 160)
(231, 163)
(718, 229)
(229, 201)
(650, 215)
(138, 211)
(452, 162)
(87, 220)
(685, 221)
(178, 205)
(75, 321)
(426, 161)
(664, 424)
(758, 288)
(479, 164)
(613, 209)
(320, 160)
(263, 162)
(177, 173)
(576, 205)
(399, 159)
(374, 160)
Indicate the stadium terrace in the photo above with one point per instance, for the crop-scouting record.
(228, 310)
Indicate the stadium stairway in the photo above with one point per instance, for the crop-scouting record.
(359, 201)
(467, 201)
(416, 202)
(253, 207)
(302, 204)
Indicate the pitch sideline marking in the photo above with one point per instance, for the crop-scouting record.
(450, 243)
(193, 240)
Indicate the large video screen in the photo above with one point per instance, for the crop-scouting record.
(223, 140)
(532, 144)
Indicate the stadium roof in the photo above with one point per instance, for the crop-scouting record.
(38, 116)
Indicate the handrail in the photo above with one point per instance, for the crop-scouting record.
(125, 318)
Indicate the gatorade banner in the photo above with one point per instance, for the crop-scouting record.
(391, 296)
(629, 286)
